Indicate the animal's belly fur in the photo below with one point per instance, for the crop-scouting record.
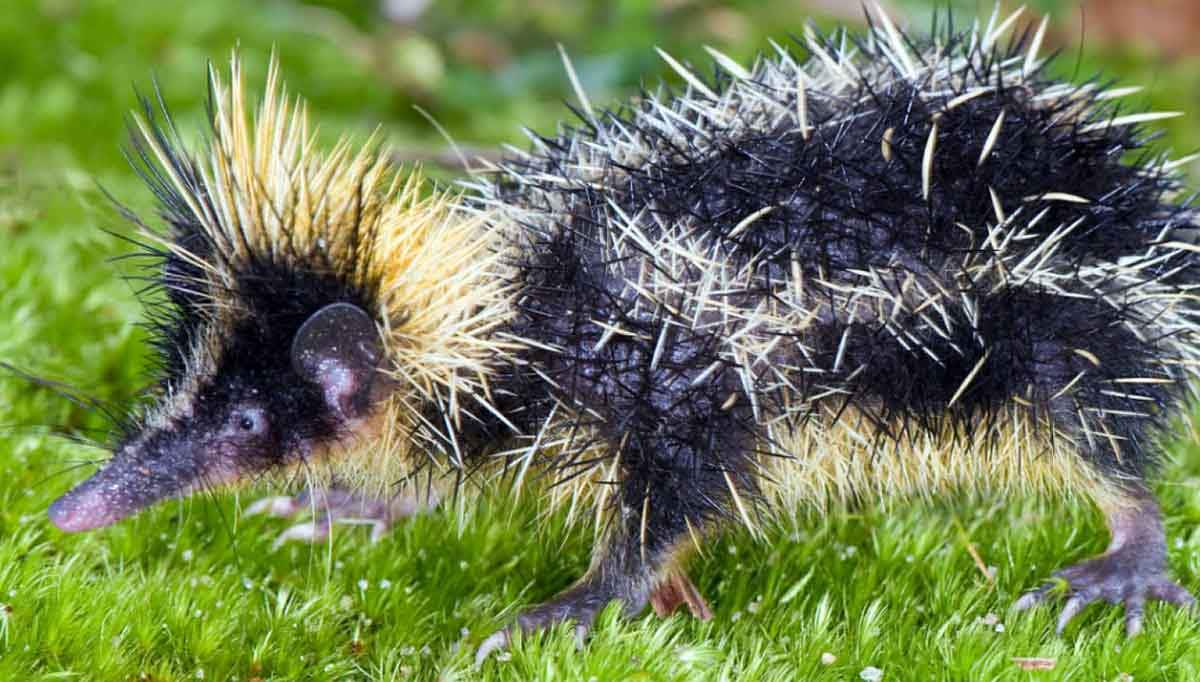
(850, 460)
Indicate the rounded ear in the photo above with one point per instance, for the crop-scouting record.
(339, 349)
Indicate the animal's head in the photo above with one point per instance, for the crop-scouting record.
(316, 310)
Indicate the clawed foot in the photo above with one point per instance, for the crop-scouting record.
(583, 602)
(565, 608)
(1128, 576)
(338, 505)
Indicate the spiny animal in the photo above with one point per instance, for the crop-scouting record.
(897, 267)
(316, 309)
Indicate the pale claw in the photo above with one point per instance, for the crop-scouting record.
(1027, 601)
(497, 642)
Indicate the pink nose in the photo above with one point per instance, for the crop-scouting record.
(84, 508)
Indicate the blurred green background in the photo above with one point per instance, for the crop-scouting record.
(192, 591)
(482, 69)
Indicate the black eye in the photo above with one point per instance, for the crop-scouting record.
(249, 421)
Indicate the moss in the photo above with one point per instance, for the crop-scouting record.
(191, 588)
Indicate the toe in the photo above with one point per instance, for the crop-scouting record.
(1037, 596)
(1030, 599)
(1074, 605)
(497, 642)
(1135, 607)
(1173, 593)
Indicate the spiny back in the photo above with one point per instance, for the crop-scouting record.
(924, 231)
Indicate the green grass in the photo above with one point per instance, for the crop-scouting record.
(190, 589)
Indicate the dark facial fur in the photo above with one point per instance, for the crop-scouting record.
(261, 409)
(254, 378)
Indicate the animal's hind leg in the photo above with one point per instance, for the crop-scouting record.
(338, 504)
(1131, 572)
(1102, 378)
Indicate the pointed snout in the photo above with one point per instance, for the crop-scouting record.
(126, 485)
(122, 488)
(95, 503)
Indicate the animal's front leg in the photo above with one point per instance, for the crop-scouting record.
(674, 481)
(637, 560)
(338, 504)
